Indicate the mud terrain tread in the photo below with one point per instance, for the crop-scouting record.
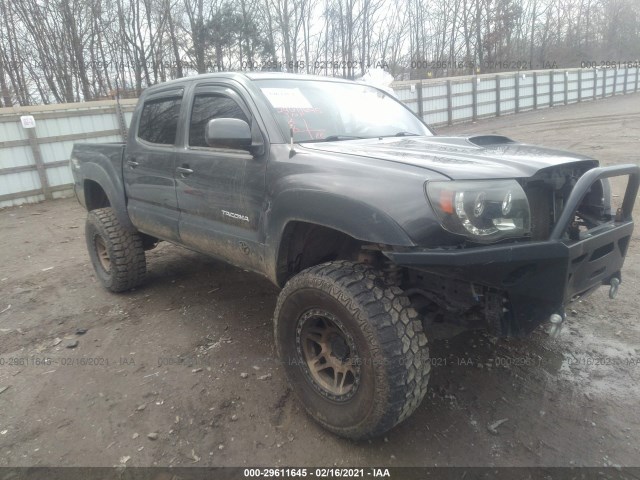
(399, 340)
(127, 251)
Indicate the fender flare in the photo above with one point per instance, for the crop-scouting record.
(114, 190)
(354, 218)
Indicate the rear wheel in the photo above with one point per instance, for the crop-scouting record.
(117, 254)
(352, 347)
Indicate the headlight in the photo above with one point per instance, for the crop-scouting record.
(484, 211)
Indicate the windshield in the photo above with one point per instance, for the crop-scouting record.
(317, 110)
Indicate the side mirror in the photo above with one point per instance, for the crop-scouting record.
(228, 132)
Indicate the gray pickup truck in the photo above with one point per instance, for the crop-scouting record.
(373, 226)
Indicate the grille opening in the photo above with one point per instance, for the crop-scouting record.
(601, 252)
(547, 193)
(597, 272)
(579, 259)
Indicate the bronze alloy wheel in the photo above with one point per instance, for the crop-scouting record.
(329, 354)
(103, 253)
(352, 347)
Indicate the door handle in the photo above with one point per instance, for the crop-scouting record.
(184, 171)
(132, 163)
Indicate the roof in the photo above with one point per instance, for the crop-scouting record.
(291, 76)
(245, 76)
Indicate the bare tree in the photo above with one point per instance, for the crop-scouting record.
(75, 50)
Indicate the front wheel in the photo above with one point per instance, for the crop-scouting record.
(352, 347)
(117, 254)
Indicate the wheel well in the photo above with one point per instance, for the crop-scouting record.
(95, 196)
(304, 245)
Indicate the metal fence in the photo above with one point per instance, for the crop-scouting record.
(34, 161)
(446, 101)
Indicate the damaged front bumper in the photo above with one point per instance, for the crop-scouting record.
(535, 280)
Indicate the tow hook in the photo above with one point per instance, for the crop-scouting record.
(613, 289)
(556, 320)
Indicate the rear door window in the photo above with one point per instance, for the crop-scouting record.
(159, 121)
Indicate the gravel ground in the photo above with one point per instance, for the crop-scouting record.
(182, 371)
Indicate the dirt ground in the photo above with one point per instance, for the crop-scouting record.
(189, 356)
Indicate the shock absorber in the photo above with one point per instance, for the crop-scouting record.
(392, 273)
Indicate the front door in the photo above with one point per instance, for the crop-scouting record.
(220, 190)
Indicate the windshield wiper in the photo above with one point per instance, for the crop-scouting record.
(333, 138)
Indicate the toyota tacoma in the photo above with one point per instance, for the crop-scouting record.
(373, 226)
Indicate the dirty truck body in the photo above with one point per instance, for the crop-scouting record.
(374, 226)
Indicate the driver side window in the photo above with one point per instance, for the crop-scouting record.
(207, 107)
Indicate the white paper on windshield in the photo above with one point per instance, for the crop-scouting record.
(286, 98)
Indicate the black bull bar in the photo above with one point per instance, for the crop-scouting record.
(540, 278)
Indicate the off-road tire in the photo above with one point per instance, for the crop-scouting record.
(386, 332)
(121, 249)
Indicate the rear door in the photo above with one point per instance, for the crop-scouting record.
(221, 191)
(149, 165)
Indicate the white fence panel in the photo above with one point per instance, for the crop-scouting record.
(34, 163)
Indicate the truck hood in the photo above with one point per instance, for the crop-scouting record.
(459, 158)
